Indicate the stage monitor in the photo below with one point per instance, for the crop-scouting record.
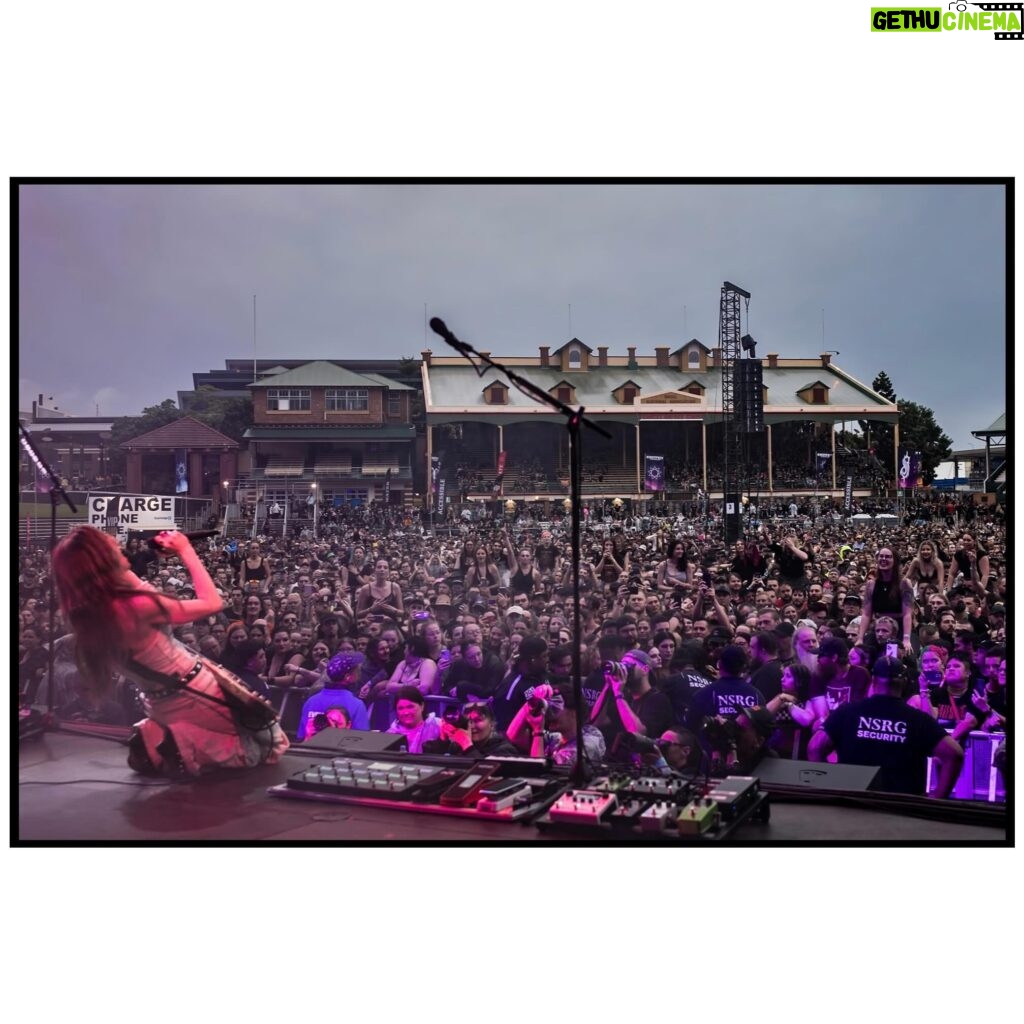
(780, 771)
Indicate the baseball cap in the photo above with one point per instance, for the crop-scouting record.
(851, 599)
(442, 599)
(888, 668)
(833, 645)
(998, 608)
(342, 663)
(641, 657)
(515, 610)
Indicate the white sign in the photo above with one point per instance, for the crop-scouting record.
(130, 512)
(730, 508)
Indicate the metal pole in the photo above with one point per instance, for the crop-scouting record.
(833, 455)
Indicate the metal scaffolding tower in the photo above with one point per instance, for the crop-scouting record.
(729, 333)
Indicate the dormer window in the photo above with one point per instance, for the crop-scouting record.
(564, 391)
(693, 359)
(496, 393)
(575, 359)
(627, 393)
(815, 393)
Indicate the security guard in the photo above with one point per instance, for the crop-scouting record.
(883, 730)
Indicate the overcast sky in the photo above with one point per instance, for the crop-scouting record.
(126, 290)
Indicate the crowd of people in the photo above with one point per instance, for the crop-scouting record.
(693, 652)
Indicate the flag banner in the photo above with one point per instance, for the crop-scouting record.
(180, 471)
(387, 487)
(435, 471)
(654, 472)
(821, 460)
(910, 469)
(501, 463)
(440, 496)
(848, 494)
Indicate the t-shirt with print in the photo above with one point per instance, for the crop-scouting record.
(728, 697)
(852, 685)
(887, 732)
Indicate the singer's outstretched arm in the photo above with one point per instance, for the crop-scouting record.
(206, 602)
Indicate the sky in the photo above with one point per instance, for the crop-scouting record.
(126, 290)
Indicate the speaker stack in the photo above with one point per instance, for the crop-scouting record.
(749, 380)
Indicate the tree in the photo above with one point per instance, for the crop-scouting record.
(127, 427)
(919, 432)
(883, 386)
(230, 414)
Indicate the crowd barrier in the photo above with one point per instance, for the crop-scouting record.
(979, 778)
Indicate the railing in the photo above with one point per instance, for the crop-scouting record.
(979, 778)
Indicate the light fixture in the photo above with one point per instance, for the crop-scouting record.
(748, 344)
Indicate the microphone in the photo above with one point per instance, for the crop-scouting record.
(192, 535)
(438, 326)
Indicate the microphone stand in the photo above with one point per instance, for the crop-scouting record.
(573, 419)
(56, 491)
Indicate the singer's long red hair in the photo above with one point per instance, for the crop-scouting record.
(91, 574)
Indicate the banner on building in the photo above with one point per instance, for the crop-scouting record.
(180, 471)
(440, 497)
(821, 461)
(848, 494)
(910, 469)
(123, 513)
(435, 472)
(654, 472)
(387, 487)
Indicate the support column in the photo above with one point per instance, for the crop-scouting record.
(195, 475)
(133, 472)
(639, 489)
(704, 453)
(501, 442)
(896, 458)
(771, 486)
(833, 455)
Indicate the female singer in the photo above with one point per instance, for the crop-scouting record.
(199, 716)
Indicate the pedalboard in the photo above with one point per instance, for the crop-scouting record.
(659, 807)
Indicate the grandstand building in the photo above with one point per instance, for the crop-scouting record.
(668, 404)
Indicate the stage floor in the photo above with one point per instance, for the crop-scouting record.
(76, 788)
